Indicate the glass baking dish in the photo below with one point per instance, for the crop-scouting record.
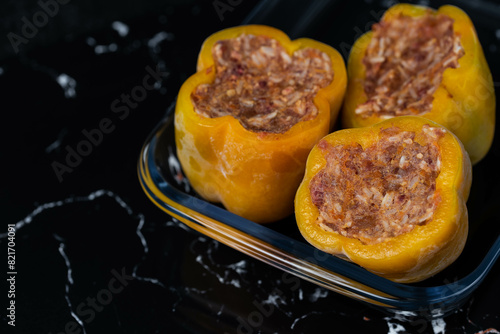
(280, 244)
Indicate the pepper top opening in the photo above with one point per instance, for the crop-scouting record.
(261, 85)
(381, 191)
(404, 63)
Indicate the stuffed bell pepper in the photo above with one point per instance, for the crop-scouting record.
(430, 63)
(390, 197)
(247, 119)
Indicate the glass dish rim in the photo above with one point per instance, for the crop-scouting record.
(298, 257)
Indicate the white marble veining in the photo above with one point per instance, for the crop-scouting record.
(236, 274)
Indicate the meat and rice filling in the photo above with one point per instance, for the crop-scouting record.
(404, 63)
(379, 192)
(261, 85)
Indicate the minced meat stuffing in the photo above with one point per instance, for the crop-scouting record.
(261, 85)
(381, 191)
(404, 63)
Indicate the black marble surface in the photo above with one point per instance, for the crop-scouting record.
(92, 253)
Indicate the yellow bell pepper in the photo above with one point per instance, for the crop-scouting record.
(464, 102)
(253, 174)
(419, 253)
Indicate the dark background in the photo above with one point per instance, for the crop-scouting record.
(77, 233)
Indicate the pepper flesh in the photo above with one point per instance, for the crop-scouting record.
(412, 256)
(464, 101)
(253, 174)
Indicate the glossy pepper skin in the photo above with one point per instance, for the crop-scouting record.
(409, 257)
(465, 100)
(254, 175)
